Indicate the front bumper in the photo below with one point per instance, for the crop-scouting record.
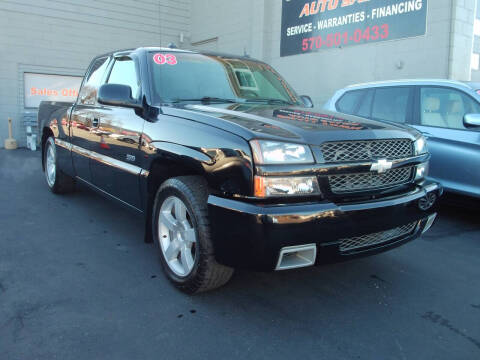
(251, 236)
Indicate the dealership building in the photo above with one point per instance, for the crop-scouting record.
(318, 46)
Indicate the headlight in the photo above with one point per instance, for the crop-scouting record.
(420, 146)
(286, 186)
(272, 152)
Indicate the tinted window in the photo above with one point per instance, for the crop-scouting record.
(366, 104)
(445, 107)
(124, 73)
(348, 102)
(88, 93)
(391, 104)
(181, 76)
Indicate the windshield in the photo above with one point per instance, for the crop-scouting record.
(196, 77)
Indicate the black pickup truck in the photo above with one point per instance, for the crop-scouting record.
(231, 168)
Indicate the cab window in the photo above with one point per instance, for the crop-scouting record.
(125, 73)
(88, 93)
(445, 107)
(347, 104)
(391, 104)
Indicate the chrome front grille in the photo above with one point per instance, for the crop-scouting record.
(346, 183)
(376, 238)
(347, 151)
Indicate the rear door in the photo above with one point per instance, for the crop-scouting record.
(82, 124)
(117, 163)
(455, 149)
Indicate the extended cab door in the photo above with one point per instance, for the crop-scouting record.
(82, 121)
(455, 149)
(117, 163)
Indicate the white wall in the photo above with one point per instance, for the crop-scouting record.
(62, 36)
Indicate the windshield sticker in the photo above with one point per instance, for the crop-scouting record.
(162, 59)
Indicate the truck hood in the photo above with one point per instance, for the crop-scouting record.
(289, 123)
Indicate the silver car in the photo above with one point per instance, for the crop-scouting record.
(446, 112)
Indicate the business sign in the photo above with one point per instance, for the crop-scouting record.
(316, 25)
(44, 87)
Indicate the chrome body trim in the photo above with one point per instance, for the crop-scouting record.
(64, 144)
(334, 168)
(107, 160)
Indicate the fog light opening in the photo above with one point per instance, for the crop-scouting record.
(427, 201)
(293, 257)
(429, 223)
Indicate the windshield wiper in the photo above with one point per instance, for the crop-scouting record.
(207, 99)
(271, 101)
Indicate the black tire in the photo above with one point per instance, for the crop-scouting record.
(206, 273)
(59, 183)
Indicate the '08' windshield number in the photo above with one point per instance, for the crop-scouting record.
(161, 59)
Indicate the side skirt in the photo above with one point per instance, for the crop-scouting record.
(108, 195)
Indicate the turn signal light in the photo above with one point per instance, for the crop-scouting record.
(285, 186)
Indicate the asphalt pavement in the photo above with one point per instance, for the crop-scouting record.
(78, 282)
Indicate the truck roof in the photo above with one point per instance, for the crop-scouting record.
(155, 48)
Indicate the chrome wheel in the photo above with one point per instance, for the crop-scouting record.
(177, 236)
(50, 164)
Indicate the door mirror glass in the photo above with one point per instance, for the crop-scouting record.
(117, 95)
(471, 120)
(307, 100)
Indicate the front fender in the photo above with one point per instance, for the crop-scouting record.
(223, 158)
(227, 170)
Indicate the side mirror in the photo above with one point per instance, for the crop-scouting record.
(471, 120)
(117, 95)
(307, 100)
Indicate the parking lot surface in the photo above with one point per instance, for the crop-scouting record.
(78, 282)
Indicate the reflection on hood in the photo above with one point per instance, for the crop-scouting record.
(316, 119)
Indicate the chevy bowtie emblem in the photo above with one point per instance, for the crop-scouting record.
(381, 166)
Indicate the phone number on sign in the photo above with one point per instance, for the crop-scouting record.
(372, 33)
